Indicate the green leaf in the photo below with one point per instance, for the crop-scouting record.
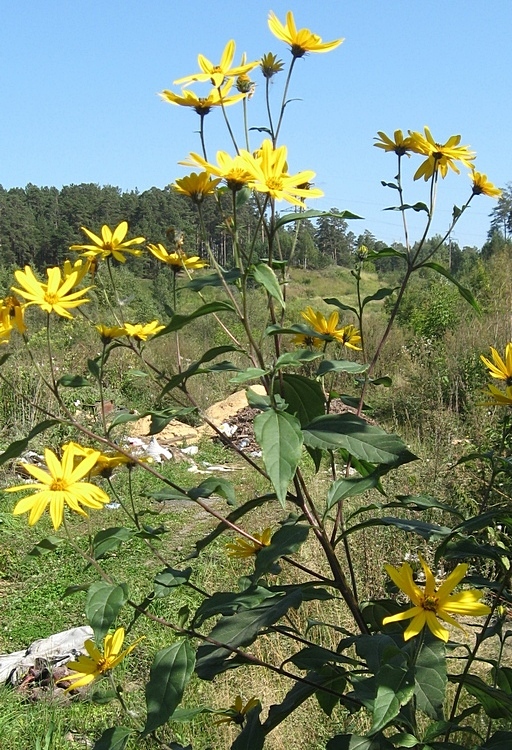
(241, 629)
(362, 440)
(296, 358)
(496, 703)
(287, 540)
(341, 489)
(45, 546)
(122, 417)
(280, 439)
(503, 678)
(430, 677)
(419, 206)
(462, 290)
(16, 448)
(340, 365)
(428, 531)
(228, 602)
(305, 397)
(501, 740)
(114, 738)
(179, 321)
(170, 672)
(195, 368)
(312, 214)
(356, 742)
(110, 539)
(386, 252)
(103, 604)
(265, 276)
(72, 381)
(168, 579)
(94, 368)
(251, 373)
(340, 305)
(214, 486)
(336, 681)
(214, 279)
(395, 688)
(404, 739)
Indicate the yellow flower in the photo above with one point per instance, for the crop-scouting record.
(60, 486)
(498, 397)
(110, 243)
(307, 342)
(179, 260)
(500, 368)
(97, 664)
(348, 335)
(54, 296)
(216, 98)
(231, 169)
(141, 332)
(440, 156)
(78, 267)
(235, 714)
(218, 73)
(196, 186)
(300, 40)
(432, 603)
(105, 462)
(399, 145)
(12, 314)
(482, 186)
(109, 333)
(269, 173)
(243, 547)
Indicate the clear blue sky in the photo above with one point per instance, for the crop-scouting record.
(79, 84)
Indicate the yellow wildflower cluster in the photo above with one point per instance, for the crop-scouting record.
(348, 335)
(500, 369)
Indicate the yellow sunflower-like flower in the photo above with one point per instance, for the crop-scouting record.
(178, 260)
(482, 186)
(96, 664)
(243, 547)
(218, 97)
(348, 335)
(432, 603)
(232, 169)
(218, 73)
(305, 341)
(60, 486)
(141, 332)
(440, 156)
(105, 462)
(236, 713)
(196, 186)
(500, 368)
(111, 243)
(55, 296)
(300, 40)
(109, 333)
(79, 267)
(12, 314)
(269, 171)
(398, 143)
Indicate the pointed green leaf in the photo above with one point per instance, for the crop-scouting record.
(430, 677)
(343, 488)
(103, 604)
(496, 703)
(179, 321)
(251, 373)
(114, 738)
(214, 486)
(265, 276)
(160, 419)
(340, 305)
(16, 448)
(462, 290)
(419, 206)
(428, 531)
(395, 688)
(296, 358)
(122, 417)
(305, 397)
(195, 369)
(280, 439)
(73, 381)
(110, 539)
(45, 546)
(340, 365)
(501, 740)
(312, 214)
(168, 579)
(94, 368)
(362, 440)
(170, 672)
(386, 252)
(214, 279)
